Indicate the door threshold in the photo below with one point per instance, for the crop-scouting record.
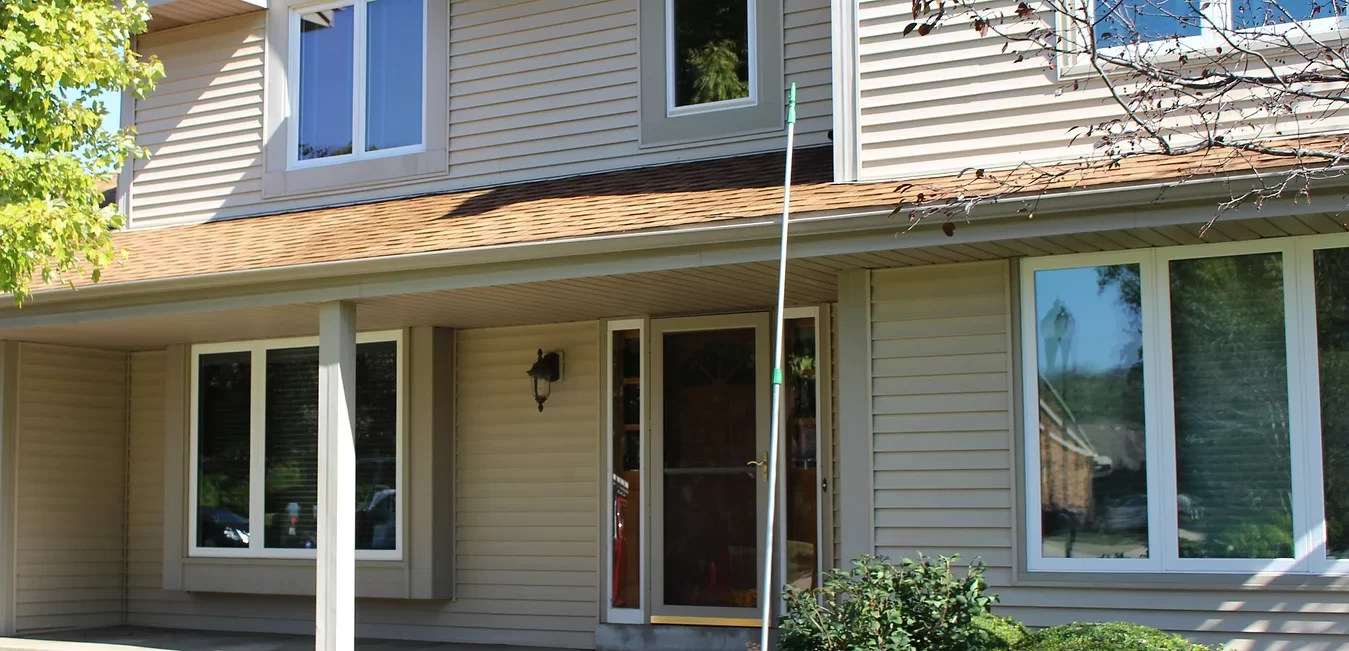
(705, 621)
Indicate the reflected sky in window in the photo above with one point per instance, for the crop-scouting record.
(1120, 22)
(394, 74)
(1257, 13)
(326, 82)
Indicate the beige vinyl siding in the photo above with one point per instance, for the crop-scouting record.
(145, 485)
(537, 89)
(944, 471)
(527, 509)
(952, 100)
(203, 123)
(71, 481)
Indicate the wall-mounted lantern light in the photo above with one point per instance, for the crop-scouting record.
(544, 372)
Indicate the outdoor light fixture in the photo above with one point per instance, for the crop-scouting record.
(544, 372)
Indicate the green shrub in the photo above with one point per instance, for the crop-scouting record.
(1114, 636)
(1003, 632)
(917, 606)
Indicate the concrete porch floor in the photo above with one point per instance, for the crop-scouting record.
(165, 639)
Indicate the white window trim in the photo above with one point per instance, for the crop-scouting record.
(1327, 29)
(258, 436)
(673, 110)
(358, 116)
(625, 615)
(1304, 412)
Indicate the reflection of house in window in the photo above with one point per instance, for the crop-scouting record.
(1091, 478)
(1067, 460)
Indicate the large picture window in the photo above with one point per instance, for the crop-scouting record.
(255, 448)
(1173, 411)
(357, 80)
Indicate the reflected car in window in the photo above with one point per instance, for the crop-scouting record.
(217, 527)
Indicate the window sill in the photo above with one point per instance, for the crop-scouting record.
(374, 579)
(1183, 581)
(1329, 32)
(356, 174)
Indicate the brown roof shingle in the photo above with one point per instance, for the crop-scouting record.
(684, 194)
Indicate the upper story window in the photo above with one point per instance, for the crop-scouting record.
(710, 69)
(1183, 412)
(711, 55)
(356, 94)
(359, 80)
(1126, 22)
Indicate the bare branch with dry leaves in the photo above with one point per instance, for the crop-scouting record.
(1224, 90)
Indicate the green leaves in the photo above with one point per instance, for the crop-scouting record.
(56, 56)
(919, 606)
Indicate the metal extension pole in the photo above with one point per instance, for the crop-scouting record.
(766, 596)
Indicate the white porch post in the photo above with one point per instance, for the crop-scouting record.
(335, 628)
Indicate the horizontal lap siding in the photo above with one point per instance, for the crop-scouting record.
(940, 409)
(542, 88)
(526, 500)
(145, 490)
(527, 567)
(537, 89)
(71, 484)
(945, 480)
(203, 123)
(953, 100)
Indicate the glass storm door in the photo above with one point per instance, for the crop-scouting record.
(710, 437)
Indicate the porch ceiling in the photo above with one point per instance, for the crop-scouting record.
(710, 289)
(167, 14)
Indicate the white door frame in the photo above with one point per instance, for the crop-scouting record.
(760, 322)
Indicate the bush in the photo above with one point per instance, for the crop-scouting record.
(918, 606)
(1115, 636)
(1003, 632)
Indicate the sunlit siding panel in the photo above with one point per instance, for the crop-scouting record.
(203, 123)
(952, 100)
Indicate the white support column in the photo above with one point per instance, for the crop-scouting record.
(335, 621)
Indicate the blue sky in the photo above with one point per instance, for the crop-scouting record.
(1102, 337)
(114, 103)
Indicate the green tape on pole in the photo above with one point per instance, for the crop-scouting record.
(791, 105)
(777, 376)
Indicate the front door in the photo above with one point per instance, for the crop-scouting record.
(709, 444)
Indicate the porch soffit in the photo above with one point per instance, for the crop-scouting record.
(168, 14)
(709, 289)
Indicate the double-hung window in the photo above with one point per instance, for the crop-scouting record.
(1184, 409)
(254, 448)
(358, 78)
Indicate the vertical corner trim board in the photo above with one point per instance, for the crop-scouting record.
(855, 485)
